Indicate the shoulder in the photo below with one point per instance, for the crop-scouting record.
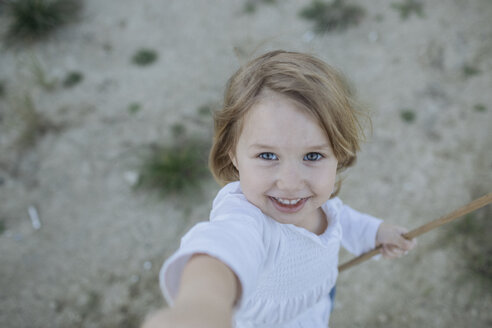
(335, 203)
(231, 204)
(233, 219)
(333, 207)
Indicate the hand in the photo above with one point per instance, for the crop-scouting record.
(206, 297)
(159, 319)
(195, 316)
(393, 243)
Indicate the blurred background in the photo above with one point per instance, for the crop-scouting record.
(105, 125)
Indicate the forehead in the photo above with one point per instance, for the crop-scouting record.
(275, 119)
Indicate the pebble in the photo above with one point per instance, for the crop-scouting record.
(55, 306)
(308, 36)
(131, 177)
(134, 279)
(373, 36)
(34, 216)
(147, 265)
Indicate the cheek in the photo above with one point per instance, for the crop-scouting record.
(254, 179)
(254, 182)
(253, 190)
(325, 178)
(325, 181)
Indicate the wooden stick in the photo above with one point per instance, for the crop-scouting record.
(470, 207)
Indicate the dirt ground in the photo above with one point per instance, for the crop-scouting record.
(94, 261)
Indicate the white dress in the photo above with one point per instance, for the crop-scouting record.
(286, 272)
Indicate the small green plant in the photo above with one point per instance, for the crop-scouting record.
(470, 70)
(178, 130)
(39, 74)
(72, 78)
(204, 111)
(409, 7)
(32, 123)
(250, 5)
(480, 108)
(332, 17)
(144, 57)
(176, 168)
(134, 108)
(33, 19)
(408, 115)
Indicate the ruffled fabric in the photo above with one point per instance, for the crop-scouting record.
(304, 273)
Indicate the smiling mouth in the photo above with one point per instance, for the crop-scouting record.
(285, 201)
(288, 205)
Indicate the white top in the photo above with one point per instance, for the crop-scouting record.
(286, 272)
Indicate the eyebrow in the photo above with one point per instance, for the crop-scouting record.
(264, 146)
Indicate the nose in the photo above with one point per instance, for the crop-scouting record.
(290, 177)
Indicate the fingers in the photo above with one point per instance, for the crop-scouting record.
(158, 319)
(397, 239)
(391, 252)
(405, 244)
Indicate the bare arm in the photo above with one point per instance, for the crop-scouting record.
(206, 297)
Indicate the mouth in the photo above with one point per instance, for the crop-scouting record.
(287, 205)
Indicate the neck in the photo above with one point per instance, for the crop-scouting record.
(320, 224)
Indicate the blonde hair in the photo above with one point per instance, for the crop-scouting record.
(303, 78)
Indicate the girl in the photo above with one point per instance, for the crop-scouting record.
(268, 256)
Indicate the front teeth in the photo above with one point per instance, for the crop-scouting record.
(287, 201)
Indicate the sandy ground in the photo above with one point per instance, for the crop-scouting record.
(95, 260)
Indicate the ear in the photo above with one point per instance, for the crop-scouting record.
(233, 159)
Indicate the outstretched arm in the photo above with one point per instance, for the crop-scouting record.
(207, 294)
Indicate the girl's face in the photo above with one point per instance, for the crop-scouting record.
(286, 164)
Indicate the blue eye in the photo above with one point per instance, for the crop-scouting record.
(268, 156)
(313, 157)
